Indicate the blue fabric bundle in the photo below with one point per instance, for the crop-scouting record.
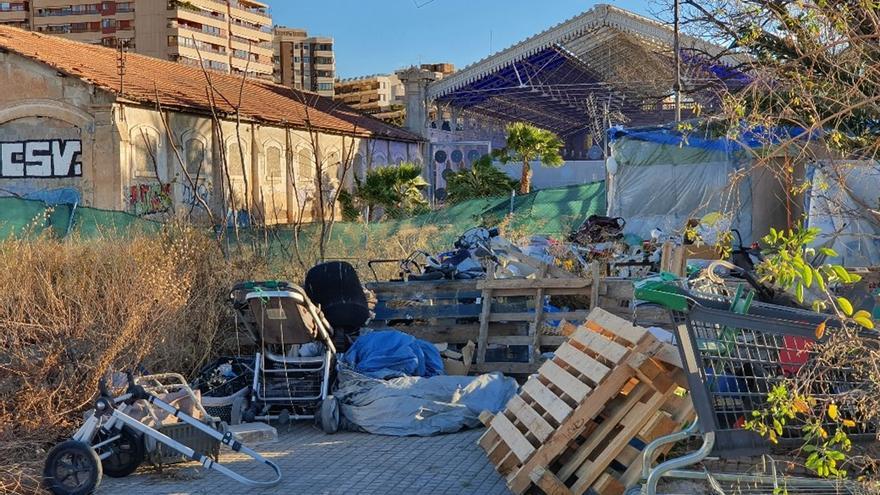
(390, 354)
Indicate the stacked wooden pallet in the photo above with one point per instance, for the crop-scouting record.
(581, 422)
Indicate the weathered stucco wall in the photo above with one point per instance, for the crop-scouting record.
(59, 132)
(55, 133)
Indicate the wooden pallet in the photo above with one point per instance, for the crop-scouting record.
(581, 421)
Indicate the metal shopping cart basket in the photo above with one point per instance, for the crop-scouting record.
(734, 352)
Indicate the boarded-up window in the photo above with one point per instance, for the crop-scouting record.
(195, 158)
(273, 162)
(146, 150)
(306, 165)
(236, 166)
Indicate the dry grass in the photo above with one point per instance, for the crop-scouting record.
(72, 310)
(69, 311)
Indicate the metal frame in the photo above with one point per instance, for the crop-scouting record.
(110, 417)
(302, 366)
(760, 332)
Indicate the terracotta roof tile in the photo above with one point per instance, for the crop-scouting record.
(183, 87)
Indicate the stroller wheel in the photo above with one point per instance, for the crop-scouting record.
(127, 454)
(72, 468)
(329, 415)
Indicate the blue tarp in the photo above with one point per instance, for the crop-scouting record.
(389, 354)
(755, 137)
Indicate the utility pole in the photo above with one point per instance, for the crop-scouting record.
(677, 87)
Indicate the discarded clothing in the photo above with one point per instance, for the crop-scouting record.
(414, 406)
(390, 354)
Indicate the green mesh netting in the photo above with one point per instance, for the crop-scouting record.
(22, 218)
(550, 211)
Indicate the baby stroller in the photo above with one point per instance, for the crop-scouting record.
(336, 288)
(295, 356)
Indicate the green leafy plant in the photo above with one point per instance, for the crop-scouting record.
(398, 190)
(787, 266)
(526, 143)
(482, 180)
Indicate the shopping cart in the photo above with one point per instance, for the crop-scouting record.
(734, 352)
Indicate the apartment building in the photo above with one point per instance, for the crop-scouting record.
(382, 95)
(304, 62)
(232, 36)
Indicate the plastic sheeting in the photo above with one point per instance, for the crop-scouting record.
(390, 353)
(414, 406)
(838, 204)
(659, 185)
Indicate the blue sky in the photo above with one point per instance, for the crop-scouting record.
(374, 36)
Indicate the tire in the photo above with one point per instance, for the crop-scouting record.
(128, 453)
(329, 415)
(72, 468)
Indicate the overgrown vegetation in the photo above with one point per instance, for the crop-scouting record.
(73, 309)
(482, 180)
(397, 190)
(808, 91)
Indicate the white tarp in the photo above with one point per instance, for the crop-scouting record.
(662, 186)
(840, 204)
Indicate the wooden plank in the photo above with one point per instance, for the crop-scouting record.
(483, 336)
(589, 474)
(617, 326)
(599, 436)
(551, 403)
(607, 485)
(573, 387)
(577, 422)
(608, 349)
(548, 482)
(526, 316)
(535, 283)
(512, 437)
(422, 312)
(488, 440)
(462, 333)
(628, 456)
(419, 286)
(486, 418)
(504, 367)
(537, 327)
(533, 421)
(584, 364)
(594, 290)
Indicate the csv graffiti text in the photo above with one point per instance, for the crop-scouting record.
(52, 158)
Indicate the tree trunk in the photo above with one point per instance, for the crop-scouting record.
(525, 182)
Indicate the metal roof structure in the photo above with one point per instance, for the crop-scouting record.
(606, 57)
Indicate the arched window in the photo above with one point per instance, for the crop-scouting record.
(273, 162)
(359, 165)
(195, 158)
(233, 158)
(306, 170)
(332, 164)
(145, 152)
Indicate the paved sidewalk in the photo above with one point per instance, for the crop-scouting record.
(346, 463)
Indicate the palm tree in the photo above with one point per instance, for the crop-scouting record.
(526, 143)
(399, 190)
(480, 181)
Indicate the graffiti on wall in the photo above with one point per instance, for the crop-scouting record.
(196, 197)
(147, 199)
(51, 158)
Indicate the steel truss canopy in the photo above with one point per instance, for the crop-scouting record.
(606, 58)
